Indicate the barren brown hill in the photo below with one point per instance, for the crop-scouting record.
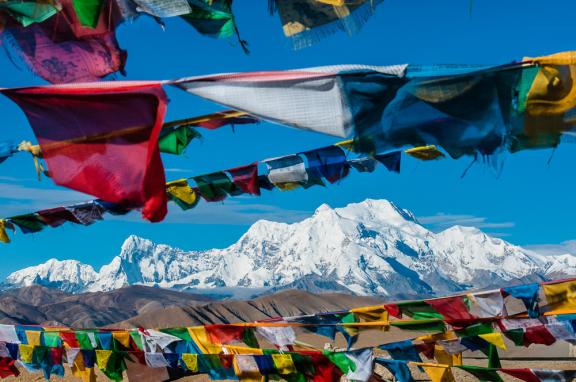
(40, 305)
(286, 303)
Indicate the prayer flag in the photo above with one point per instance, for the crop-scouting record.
(482, 373)
(528, 293)
(560, 296)
(215, 187)
(399, 369)
(391, 160)
(321, 18)
(246, 178)
(287, 173)
(61, 49)
(452, 308)
(329, 161)
(102, 140)
(180, 192)
(438, 373)
(280, 336)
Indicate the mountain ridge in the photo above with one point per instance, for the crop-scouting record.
(369, 248)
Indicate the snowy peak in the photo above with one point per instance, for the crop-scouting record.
(370, 248)
(67, 275)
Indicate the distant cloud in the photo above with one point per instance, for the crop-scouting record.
(234, 212)
(18, 199)
(177, 170)
(566, 247)
(442, 221)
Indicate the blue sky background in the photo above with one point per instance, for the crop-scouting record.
(530, 203)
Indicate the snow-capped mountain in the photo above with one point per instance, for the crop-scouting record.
(367, 248)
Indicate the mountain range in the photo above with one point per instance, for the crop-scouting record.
(371, 248)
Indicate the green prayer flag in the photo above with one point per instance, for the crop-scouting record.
(213, 18)
(88, 11)
(339, 359)
(215, 186)
(493, 357)
(516, 336)
(419, 310)
(482, 373)
(175, 141)
(136, 338)
(84, 341)
(39, 354)
(181, 333)
(249, 338)
(115, 367)
(29, 223)
(29, 12)
(420, 325)
(475, 330)
(52, 339)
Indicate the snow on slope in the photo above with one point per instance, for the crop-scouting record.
(368, 248)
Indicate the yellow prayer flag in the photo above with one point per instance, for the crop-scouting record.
(446, 336)
(26, 353)
(371, 314)
(80, 371)
(288, 186)
(33, 337)
(284, 364)
(191, 361)
(122, 337)
(333, 2)
(437, 373)
(180, 189)
(561, 296)
(4, 238)
(445, 358)
(202, 340)
(246, 369)
(562, 58)
(495, 339)
(102, 358)
(425, 152)
(233, 349)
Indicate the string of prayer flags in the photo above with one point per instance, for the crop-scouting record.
(102, 140)
(472, 111)
(212, 350)
(211, 187)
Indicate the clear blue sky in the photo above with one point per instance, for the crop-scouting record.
(531, 202)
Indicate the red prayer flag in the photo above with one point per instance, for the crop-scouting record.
(246, 178)
(324, 369)
(55, 217)
(7, 367)
(538, 335)
(523, 374)
(452, 308)
(394, 310)
(70, 339)
(102, 139)
(224, 334)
